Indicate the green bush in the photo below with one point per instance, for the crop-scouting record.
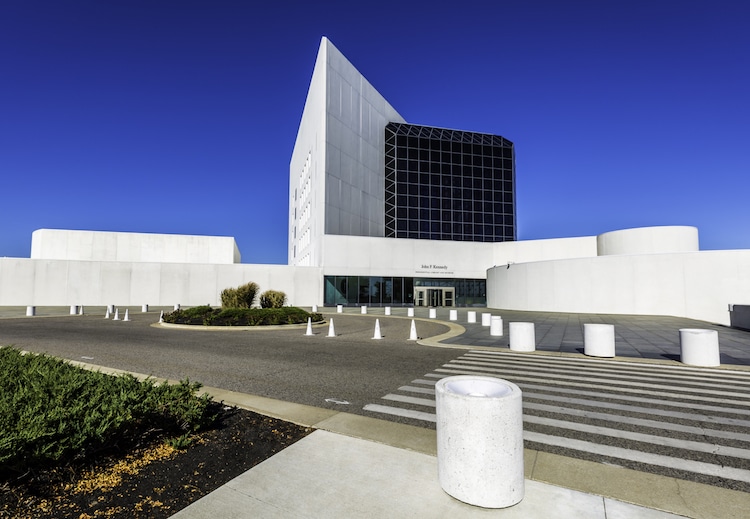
(241, 316)
(272, 299)
(240, 297)
(51, 410)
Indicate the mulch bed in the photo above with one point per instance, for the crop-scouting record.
(150, 480)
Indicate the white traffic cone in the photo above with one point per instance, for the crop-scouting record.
(106, 315)
(127, 317)
(80, 310)
(161, 316)
(117, 315)
(309, 326)
(377, 330)
(413, 331)
(331, 331)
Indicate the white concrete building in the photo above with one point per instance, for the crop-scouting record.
(383, 212)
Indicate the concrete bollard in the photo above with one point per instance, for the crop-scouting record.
(339, 309)
(144, 308)
(314, 308)
(599, 340)
(387, 310)
(410, 312)
(433, 313)
(30, 311)
(521, 336)
(331, 330)
(471, 317)
(177, 306)
(73, 309)
(496, 326)
(453, 315)
(377, 330)
(480, 440)
(413, 331)
(699, 347)
(486, 319)
(363, 309)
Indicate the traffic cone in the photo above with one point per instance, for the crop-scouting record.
(117, 315)
(377, 330)
(106, 315)
(331, 332)
(309, 326)
(127, 317)
(413, 331)
(161, 316)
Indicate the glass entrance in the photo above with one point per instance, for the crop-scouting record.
(435, 296)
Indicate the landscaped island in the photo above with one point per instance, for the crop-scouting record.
(208, 316)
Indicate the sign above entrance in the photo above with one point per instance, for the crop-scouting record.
(433, 268)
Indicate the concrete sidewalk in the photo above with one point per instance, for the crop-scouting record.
(335, 476)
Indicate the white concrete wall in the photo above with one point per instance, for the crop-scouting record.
(648, 240)
(36, 282)
(363, 256)
(57, 244)
(697, 285)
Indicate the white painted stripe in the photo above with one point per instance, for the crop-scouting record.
(733, 384)
(664, 441)
(640, 422)
(421, 390)
(640, 457)
(619, 382)
(407, 413)
(609, 389)
(410, 400)
(696, 417)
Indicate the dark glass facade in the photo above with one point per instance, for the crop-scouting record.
(397, 291)
(448, 185)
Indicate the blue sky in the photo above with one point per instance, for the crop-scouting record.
(180, 116)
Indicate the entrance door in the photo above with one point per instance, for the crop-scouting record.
(435, 296)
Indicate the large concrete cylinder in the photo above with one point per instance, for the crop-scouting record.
(30, 311)
(699, 347)
(471, 316)
(339, 309)
(363, 309)
(480, 440)
(599, 340)
(496, 326)
(73, 309)
(453, 315)
(521, 336)
(486, 319)
(387, 310)
(433, 313)
(144, 308)
(410, 312)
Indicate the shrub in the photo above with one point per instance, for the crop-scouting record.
(272, 299)
(240, 297)
(241, 316)
(51, 410)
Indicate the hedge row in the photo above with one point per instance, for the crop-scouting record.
(209, 316)
(51, 410)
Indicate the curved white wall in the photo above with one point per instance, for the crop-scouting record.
(697, 285)
(648, 240)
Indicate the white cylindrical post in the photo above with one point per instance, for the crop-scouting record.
(387, 310)
(177, 306)
(111, 309)
(453, 315)
(486, 319)
(30, 311)
(363, 309)
(496, 326)
(699, 347)
(410, 312)
(471, 316)
(433, 313)
(339, 309)
(144, 308)
(521, 336)
(599, 340)
(314, 308)
(480, 440)
(73, 309)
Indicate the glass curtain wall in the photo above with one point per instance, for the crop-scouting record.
(397, 291)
